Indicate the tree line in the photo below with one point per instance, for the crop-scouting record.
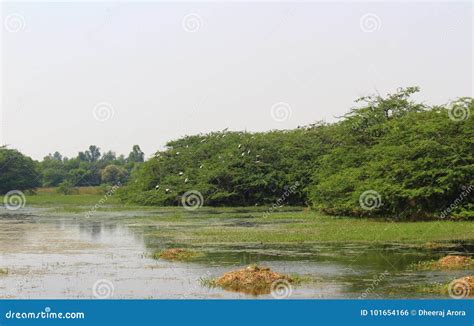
(388, 156)
(88, 168)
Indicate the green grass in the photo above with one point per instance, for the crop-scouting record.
(58, 199)
(304, 227)
(247, 225)
(435, 265)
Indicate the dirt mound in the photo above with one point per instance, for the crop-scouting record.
(448, 262)
(452, 261)
(251, 280)
(178, 254)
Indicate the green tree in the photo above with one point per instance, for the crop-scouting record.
(17, 171)
(113, 174)
(136, 155)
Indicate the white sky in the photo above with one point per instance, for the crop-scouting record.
(163, 82)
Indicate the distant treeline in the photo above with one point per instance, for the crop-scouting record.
(390, 156)
(88, 168)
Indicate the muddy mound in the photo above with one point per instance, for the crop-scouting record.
(252, 280)
(448, 262)
(176, 254)
(452, 261)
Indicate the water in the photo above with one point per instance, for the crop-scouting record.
(69, 256)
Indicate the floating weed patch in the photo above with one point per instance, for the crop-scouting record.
(177, 254)
(253, 280)
(448, 262)
(436, 288)
(439, 245)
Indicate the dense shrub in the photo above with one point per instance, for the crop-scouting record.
(17, 171)
(411, 159)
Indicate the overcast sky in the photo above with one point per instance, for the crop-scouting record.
(116, 75)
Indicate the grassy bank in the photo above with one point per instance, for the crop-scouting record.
(84, 196)
(251, 225)
(304, 227)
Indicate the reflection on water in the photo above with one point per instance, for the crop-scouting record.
(53, 256)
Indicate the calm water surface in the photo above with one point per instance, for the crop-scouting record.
(64, 255)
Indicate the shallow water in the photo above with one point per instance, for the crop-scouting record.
(52, 255)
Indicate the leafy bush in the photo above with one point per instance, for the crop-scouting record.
(17, 171)
(66, 188)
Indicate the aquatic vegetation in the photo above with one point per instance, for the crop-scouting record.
(3, 271)
(439, 245)
(447, 262)
(459, 288)
(251, 280)
(434, 288)
(176, 254)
